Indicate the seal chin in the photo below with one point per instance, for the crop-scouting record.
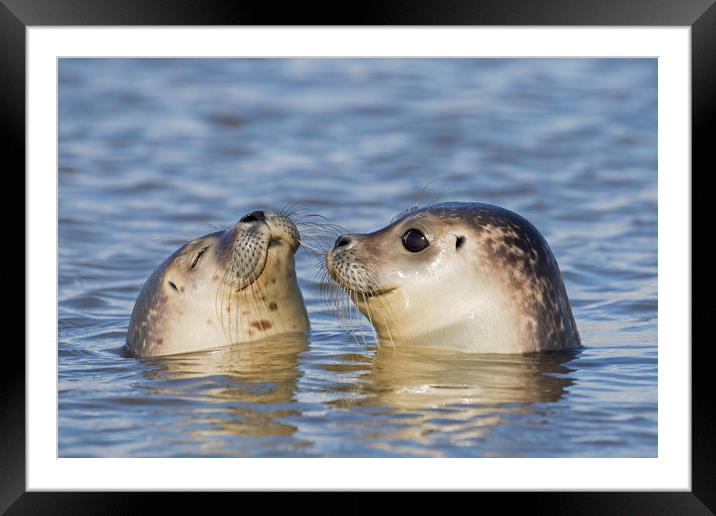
(356, 290)
(282, 230)
(279, 242)
(376, 294)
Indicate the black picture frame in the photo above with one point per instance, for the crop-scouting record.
(17, 15)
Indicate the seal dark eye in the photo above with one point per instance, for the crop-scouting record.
(198, 255)
(414, 241)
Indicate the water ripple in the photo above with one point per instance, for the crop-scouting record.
(155, 152)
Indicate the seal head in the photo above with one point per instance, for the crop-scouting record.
(470, 276)
(231, 286)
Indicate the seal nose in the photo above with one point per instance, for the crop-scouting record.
(254, 216)
(342, 241)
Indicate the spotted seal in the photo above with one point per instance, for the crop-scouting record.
(470, 276)
(230, 286)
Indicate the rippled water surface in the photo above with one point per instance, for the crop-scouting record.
(156, 152)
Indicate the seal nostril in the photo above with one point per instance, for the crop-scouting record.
(254, 216)
(342, 240)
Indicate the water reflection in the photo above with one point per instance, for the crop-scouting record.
(457, 398)
(420, 402)
(410, 379)
(243, 390)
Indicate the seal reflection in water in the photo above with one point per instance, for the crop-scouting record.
(441, 396)
(244, 391)
(470, 276)
(231, 286)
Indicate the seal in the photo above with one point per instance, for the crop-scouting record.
(469, 276)
(227, 287)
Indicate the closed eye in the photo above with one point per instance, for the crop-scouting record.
(198, 255)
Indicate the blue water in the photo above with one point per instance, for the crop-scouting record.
(156, 152)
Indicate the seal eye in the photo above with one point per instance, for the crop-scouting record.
(414, 241)
(198, 255)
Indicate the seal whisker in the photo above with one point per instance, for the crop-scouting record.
(370, 318)
(179, 240)
(385, 311)
(337, 299)
(214, 227)
(302, 222)
(288, 209)
(221, 296)
(317, 243)
(315, 249)
(291, 208)
(261, 319)
(356, 321)
(424, 191)
(233, 290)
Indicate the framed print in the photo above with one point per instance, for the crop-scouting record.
(453, 256)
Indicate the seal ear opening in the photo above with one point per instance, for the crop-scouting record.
(458, 243)
(172, 285)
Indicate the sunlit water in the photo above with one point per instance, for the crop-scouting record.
(155, 152)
